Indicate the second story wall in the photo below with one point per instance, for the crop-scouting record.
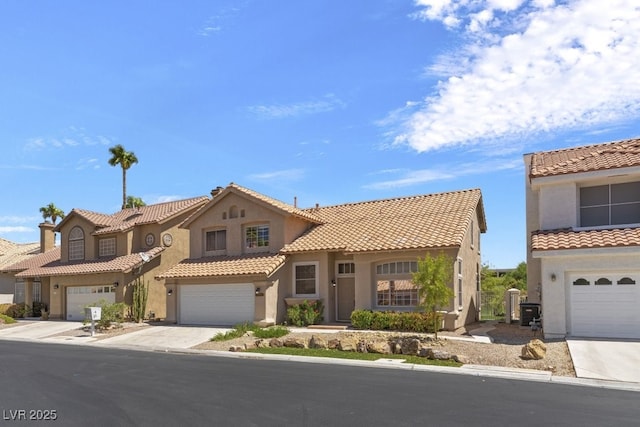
(558, 206)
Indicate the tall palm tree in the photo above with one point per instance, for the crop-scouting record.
(126, 159)
(51, 211)
(135, 202)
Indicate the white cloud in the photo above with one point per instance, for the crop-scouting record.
(408, 178)
(18, 219)
(278, 111)
(15, 229)
(527, 68)
(287, 174)
(72, 137)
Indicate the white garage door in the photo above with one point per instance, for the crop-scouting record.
(220, 305)
(78, 297)
(605, 305)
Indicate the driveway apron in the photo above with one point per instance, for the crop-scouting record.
(606, 360)
(38, 329)
(175, 337)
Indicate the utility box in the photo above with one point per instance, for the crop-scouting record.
(528, 312)
(93, 313)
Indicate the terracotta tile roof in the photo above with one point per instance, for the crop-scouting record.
(131, 217)
(419, 222)
(263, 264)
(612, 155)
(11, 253)
(49, 264)
(584, 239)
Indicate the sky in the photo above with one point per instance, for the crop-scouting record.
(329, 101)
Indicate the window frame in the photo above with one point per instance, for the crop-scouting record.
(76, 245)
(215, 250)
(395, 271)
(459, 293)
(316, 279)
(107, 243)
(611, 206)
(259, 246)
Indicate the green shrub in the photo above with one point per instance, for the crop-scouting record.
(38, 308)
(361, 319)
(237, 331)
(306, 313)
(382, 320)
(271, 332)
(111, 313)
(4, 308)
(18, 311)
(7, 319)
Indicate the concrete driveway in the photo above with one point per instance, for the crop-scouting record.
(164, 337)
(30, 330)
(605, 359)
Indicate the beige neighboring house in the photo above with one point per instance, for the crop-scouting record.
(12, 291)
(583, 239)
(101, 255)
(251, 256)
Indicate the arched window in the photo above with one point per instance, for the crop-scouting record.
(603, 281)
(581, 282)
(76, 244)
(626, 281)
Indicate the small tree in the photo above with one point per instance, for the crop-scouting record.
(139, 303)
(433, 280)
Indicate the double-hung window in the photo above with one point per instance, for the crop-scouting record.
(256, 236)
(305, 278)
(215, 240)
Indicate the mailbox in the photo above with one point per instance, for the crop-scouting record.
(93, 313)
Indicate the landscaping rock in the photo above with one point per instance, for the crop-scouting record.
(380, 347)
(317, 342)
(347, 344)
(361, 347)
(236, 348)
(333, 344)
(461, 359)
(295, 342)
(275, 342)
(250, 345)
(534, 349)
(410, 346)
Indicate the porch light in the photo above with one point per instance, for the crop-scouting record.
(553, 277)
(56, 286)
(333, 283)
(115, 284)
(258, 291)
(170, 292)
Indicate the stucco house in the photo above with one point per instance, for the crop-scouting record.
(251, 256)
(583, 239)
(11, 253)
(100, 255)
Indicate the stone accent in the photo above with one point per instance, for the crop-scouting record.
(333, 344)
(347, 344)
(317, 342)
(461, 359)
(236, 348)
(410, 346)
(295, 342)
(361, 347)
(275, 342)
(380, 347)
(534, 349)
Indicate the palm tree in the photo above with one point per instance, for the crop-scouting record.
(51, 211)
(126, 159)
(135, 202)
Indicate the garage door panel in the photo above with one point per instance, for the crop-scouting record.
(222, 304)
(608, 311)
(79, 297)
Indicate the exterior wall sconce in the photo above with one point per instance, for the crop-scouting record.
(553, 277)
(259, 291)
(333, 283)
(170, 292)
(116, 284)
(56, 286)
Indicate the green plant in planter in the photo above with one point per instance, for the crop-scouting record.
(306, 313)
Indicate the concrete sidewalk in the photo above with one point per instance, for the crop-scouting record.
(617, 360)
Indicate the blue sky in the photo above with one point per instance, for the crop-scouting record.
(331, 101)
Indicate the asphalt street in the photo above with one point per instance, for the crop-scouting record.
(103, 386)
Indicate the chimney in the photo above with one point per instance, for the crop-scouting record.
(47, 237)
(295, 201)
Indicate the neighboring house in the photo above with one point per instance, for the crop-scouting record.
(10, 253)
(251, 256)
(583, 239)
(100, 256)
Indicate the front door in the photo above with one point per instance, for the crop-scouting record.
(346, 289)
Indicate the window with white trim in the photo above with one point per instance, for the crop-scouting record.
(107, 247)
(76, 244)
(305, 278)
(256, 236)
(611, 204)
(215, 240)
(394, 284)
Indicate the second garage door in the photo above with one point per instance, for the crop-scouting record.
(605, 305)
(220, 305)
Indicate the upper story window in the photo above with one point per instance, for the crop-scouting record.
(256, 236)
(76, 244)
(107, 247)
(611, 204)
(215, 240)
